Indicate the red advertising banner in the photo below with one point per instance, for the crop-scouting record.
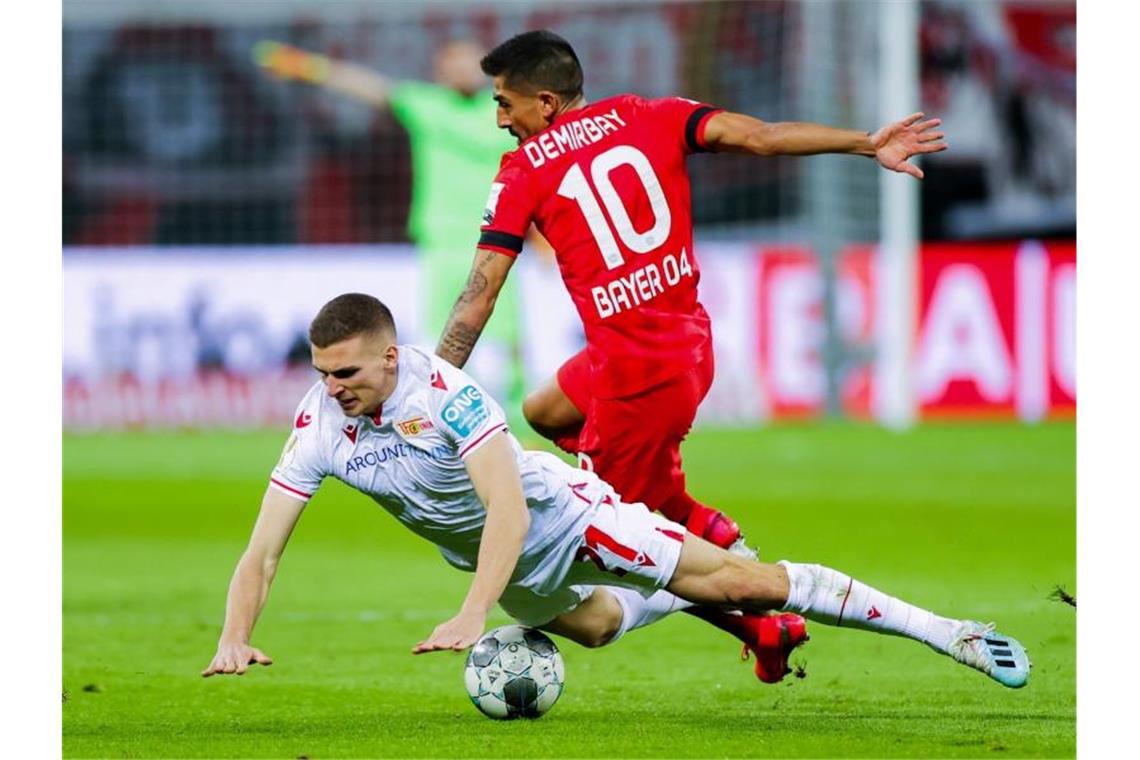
(791, 329)
(964, 356)
(996, 330)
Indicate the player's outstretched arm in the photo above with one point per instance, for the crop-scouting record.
(495, 475)
(292, 63)
(891, 146)
(249, 587)
(474, 306)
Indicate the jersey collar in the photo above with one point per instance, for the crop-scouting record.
(390, 408)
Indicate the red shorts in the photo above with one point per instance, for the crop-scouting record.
(634, 443)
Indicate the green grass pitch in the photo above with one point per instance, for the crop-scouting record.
(971, 520)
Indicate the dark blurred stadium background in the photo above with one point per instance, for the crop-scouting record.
(208, 208)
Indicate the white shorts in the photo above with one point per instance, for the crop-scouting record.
(615, 544)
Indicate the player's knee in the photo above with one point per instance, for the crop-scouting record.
(539, 414)
(601, 635)
(594, 624)
(550, 412)
(533, 410)
(606, 625)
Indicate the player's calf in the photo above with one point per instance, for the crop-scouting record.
(707, 574)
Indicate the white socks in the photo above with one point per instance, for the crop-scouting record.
(828, 596)
(637, 611)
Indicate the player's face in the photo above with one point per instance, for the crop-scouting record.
(457, 67)
(522, 114)
(360, 373)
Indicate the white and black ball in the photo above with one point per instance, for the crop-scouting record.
(514, 672)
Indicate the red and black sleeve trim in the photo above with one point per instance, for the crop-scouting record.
(503, 241)
(692, 128)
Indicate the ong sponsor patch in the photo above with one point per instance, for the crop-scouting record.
(466, 411)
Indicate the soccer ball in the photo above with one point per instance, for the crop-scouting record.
(514, 672)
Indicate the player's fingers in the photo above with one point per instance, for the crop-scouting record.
(929, 124)
(911, 169)
(931, 136)
(261, 658)
(912, 118)
(439, 643)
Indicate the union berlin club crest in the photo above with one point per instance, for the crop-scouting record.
(414, 426)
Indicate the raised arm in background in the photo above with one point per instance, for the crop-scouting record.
(294, 64)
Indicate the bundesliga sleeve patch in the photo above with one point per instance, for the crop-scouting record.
(492, 202)
(289, 453)
(466, 411)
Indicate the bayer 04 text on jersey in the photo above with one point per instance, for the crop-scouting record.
(641, 285)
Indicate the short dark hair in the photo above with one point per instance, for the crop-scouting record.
(347, 316)
(538, 60)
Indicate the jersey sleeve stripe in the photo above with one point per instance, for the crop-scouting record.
(289, 489)
(475, 444)
(694, 128)
(501, 241)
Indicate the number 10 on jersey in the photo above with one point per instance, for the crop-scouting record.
(575, 187)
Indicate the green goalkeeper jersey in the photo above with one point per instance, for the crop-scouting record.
(456, 149)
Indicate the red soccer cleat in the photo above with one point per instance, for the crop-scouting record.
(722, 530)
(713, 526)
(773, 637)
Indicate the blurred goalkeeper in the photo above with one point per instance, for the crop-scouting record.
(555, 546)
(455, 154)
(606, 185)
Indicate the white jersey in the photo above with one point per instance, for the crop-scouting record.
(409, 458)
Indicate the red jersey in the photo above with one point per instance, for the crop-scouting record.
(607, 186)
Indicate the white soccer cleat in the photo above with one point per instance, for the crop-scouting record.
(1000, 657)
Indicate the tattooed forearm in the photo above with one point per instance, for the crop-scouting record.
(457, 341)
(473, 307)
(476, 285)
